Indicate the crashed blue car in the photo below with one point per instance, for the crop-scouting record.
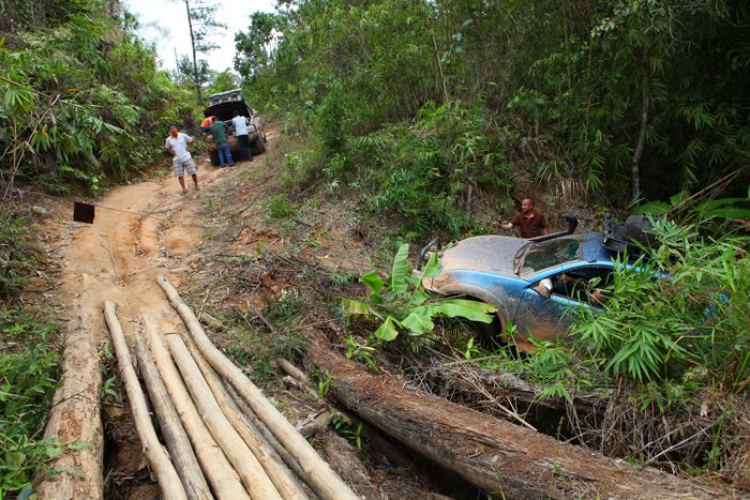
(532, 282)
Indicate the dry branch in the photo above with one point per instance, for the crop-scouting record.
(255, 479)
(495, 455)
(327, 482)
(224, 480)
(174, 434)
(162, 466)
(268, 458)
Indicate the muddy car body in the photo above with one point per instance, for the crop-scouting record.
(534, 284)
(223, 107)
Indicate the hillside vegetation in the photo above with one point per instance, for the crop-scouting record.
(82, 96)
(595, 95)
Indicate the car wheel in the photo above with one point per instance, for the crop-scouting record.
(489, 333)
(260, 145)
(214, 157)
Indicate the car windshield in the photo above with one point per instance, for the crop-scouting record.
(536, 257)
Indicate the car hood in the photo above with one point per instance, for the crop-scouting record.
(484, 254)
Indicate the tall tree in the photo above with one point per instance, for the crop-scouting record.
(186, 70)
(203, 24)
(253, 47)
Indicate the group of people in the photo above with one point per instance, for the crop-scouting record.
(180, 145)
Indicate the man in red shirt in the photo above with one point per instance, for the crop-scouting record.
(532, 223)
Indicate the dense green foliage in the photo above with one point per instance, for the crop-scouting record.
(28, 380)
(82, 98)
(554, 87)
(690, 325)
(28, 374)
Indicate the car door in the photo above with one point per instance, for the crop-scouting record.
(547, 317)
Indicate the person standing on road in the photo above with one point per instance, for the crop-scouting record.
(240, 131)
(219, 133)
(532, 223)
(179, 146)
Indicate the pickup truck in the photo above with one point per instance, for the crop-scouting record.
(223, 106)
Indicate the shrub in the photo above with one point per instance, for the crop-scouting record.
(683, 305)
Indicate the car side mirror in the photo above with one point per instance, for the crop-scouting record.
(544, 288)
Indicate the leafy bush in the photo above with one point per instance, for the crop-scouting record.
(403, 304)
(84, 101)
(680, 312)
(279, 206)
(28, 380)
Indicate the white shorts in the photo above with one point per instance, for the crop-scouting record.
(181, 165)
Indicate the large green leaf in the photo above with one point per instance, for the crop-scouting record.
(418, 297)
(653, 208)
(400, 270)
(387, 330)
(469, 309)
(372, 280)
(432, 268)
(418, 323)
(355, 308)
(729, 213)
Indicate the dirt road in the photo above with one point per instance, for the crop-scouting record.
(150, 230)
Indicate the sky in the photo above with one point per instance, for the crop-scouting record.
(164, 22)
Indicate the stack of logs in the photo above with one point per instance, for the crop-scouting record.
(224, 439)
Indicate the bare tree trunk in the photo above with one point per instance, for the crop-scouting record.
(636, 174)
(218, 471)
(499, 457)
(281, 477)
(174, 433)
(75, 417)
(253, 476)
(195, 58)
(161, 465)
(330, 485)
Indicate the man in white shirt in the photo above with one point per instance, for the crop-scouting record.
(179, 146)
(241, 132)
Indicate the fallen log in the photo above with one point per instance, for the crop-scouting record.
(497, 456)
(77, 400)
(161, 465)
(269, 459)
(174, 434)
(224, 480)
(316, 470)
(253, 476)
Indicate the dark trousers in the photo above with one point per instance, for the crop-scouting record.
(225, 154)
(245, 146)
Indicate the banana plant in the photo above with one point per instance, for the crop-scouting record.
(401, 304)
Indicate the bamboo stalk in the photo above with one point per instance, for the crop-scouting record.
(165, 472)
(223, 479)
(330, 485)
(174, 434)
(255, 479)
(269, 459)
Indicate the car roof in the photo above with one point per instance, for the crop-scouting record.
(592, 247)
